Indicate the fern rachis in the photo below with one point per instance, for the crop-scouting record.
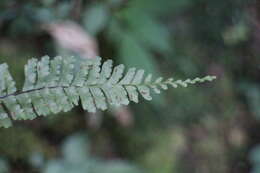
(56, 85)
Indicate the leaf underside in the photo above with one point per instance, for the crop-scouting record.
(58, 84)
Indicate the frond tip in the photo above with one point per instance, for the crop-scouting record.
(58, 84)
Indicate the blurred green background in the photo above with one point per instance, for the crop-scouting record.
(209, 128)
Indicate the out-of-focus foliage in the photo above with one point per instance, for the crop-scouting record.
(4, 168)
(192, 129)
(255, 159)
(77, 159)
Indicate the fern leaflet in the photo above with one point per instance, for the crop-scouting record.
(58, 84)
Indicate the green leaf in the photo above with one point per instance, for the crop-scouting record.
(30, 74)
(95, 18)
(133, 54)
(56, 85)
(153, 34)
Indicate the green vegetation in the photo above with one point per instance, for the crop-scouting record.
(182, 130)
(57, 85)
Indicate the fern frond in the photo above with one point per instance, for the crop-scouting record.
(56, 85)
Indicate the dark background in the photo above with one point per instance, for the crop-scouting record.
(207, 128)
